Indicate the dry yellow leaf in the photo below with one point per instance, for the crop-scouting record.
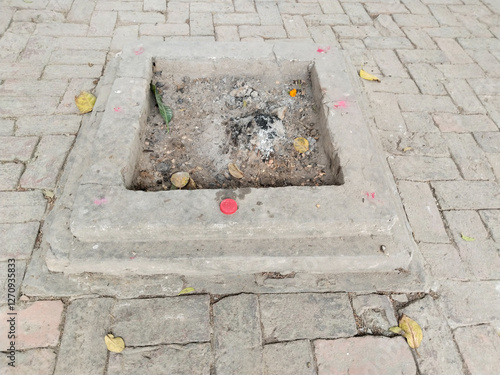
(114, 344)
(186, 291)
(413, 332)
(234, 170)
(85, 102)
(407, 149)
(180, 179)
(301, 144)
(368, 76)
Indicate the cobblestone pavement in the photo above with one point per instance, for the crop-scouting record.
(437, 112)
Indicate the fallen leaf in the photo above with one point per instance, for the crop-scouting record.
(293, 93)
(396, 329)
(234, 170)
(368, 76)
(180, 179)
(413, 332)
(165, 111)
(466, 238)
(48, 193)
(191, 184)
(186, 291)
(301, 144)
(114, 344)
(85, 102)
(407, 149)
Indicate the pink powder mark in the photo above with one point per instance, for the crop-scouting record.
(370, 195)
(117, 109)
(340, 103)
(321, 50)
(98, 202)
(139, 51)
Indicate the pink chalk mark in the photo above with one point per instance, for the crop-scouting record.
(139, 51)
(117, 109)
(98, 202)
(370, 195)
(341, 103)
(323, 50)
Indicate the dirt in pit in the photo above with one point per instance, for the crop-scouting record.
(242, 120)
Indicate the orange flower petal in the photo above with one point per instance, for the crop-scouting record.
(293, 93)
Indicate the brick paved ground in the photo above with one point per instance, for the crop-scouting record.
(437, 113)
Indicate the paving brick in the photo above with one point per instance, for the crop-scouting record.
(424, 144)
(352, 44)
(415, 20)
(11, 45)
(421, 56)
(17, 87)
(5, 18)
(299, 8)
(422, 212)
(201, 24)
(236, 19)
(374, 9)
(469, 157)
(177, 12)
(324, 34)
(124, 35)
(479, 256)
(237, 335)
(423, 168)
(18, 240)
(6, 127)
(426, 103)
(184, 320)
(453, 51)
(18, 207)
(85, 43)
(394, 85)
(487, 62)
(269, 13)
(387, 113)
(155, 5)
(29, 15)
(53, 72)
(480, 348)
(475, 27)
(489, 141)
(447, 32)
(21, 27)
(444, 261)
(387, 27)
(464, 123)
(295, 26)
(492, 105)
(37, 325)
(428, 78)
(227, 33)
(444, 16)
(58, 29)
(87, 322)
(416, 6)
(350, 31)
(135, 6)
(485, 86)
(81, 11)
(4, 283)
(287, 317)
(447, 2)
(60, 5)
(363, 57)
(31, 362)
(492, 221)
(494, 160)
(17, 148)
(419, 122)
(461, 71)
(76, 85)
(28, 106)
(132, 18)
(289, 358)
(357, 14)
(437, 353)
(38, 50)
(9, 175)
(468, 303)
(464, 97)
(49, 157)
(480, 43)
(225, 6)
(419, 38)
(326, 19)
(265, 32)
(244, 6)
(193, 359)
(467, 195)
(164, 29)
(375, 312)
(387, 42)
(389, 63)
(75, 57)
(368, 354)
(102, 23)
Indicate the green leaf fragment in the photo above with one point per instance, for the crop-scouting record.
(396, 329)
(466, 238)
(186, 291)
(165, 110)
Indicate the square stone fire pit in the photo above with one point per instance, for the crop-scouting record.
(357, 226)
